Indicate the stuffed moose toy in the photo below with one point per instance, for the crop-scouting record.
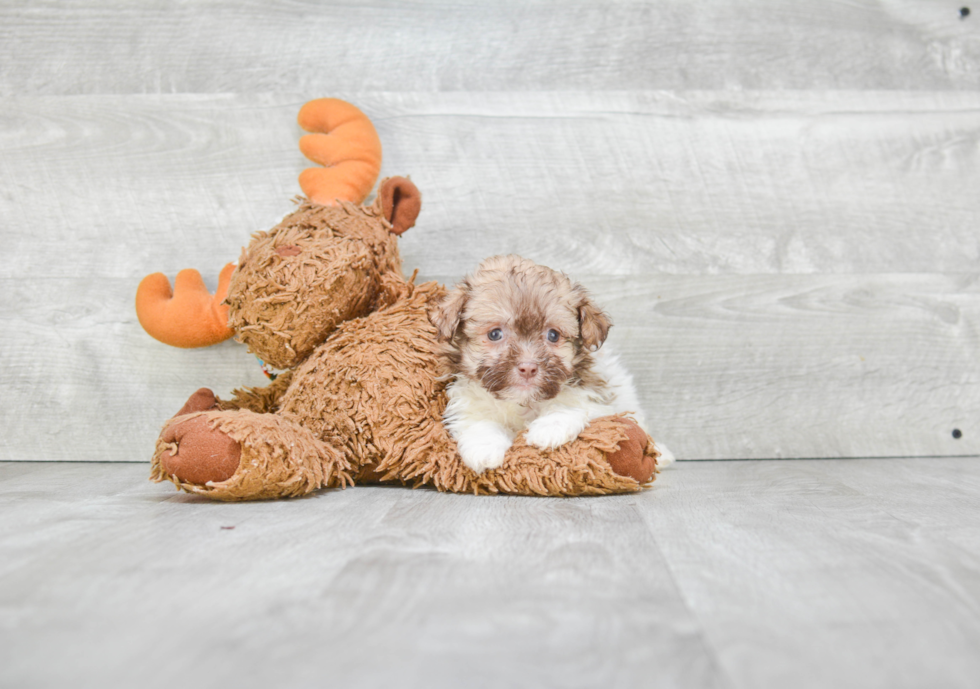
(322, 296)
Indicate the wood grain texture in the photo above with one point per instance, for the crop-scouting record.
(727, 366)
(698, 183)
(854, 573)
(92, 188)
(83, 381)
(622, 184)
(366, 588)
(322, 48)
(832, 573)
(777, 202)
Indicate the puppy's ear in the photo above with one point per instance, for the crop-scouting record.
(593, 323)
(447, 314)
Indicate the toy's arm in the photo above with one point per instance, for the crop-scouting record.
(187, 315)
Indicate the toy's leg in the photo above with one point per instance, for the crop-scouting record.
(241, 455)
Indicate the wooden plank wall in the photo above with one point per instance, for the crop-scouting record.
(778, 202)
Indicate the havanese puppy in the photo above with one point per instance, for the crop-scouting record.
(522, 344)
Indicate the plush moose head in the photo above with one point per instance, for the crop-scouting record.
(327, 262)
(320, 266)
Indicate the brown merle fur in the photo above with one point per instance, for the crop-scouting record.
(525, 300)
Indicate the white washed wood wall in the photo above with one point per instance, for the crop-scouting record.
(777, 201)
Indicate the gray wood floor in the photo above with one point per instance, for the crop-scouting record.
(755, 574)
(777, 201)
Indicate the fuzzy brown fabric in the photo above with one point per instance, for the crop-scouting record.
(363, 398)
(278, 459)
(260, 400)
(284, 304)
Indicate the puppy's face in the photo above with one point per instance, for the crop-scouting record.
(520, 329)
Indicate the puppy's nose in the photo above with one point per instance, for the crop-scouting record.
(528, 369)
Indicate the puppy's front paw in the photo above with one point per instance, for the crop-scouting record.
(555, 429)
(483, 446)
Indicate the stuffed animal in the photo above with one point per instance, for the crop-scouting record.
(322, 296)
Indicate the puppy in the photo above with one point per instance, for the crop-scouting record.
(522, 344)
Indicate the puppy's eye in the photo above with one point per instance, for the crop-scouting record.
(553, 335)
(495, 335)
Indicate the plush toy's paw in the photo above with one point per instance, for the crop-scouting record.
(200, 453)
(556, 428)
(483, 446)
(202, 400)
(631, 460)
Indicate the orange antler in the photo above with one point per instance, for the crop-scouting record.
(188, 315)
(345, 142)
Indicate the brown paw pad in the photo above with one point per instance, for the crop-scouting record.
(630, 460)
(202, 453)
(202, 400)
